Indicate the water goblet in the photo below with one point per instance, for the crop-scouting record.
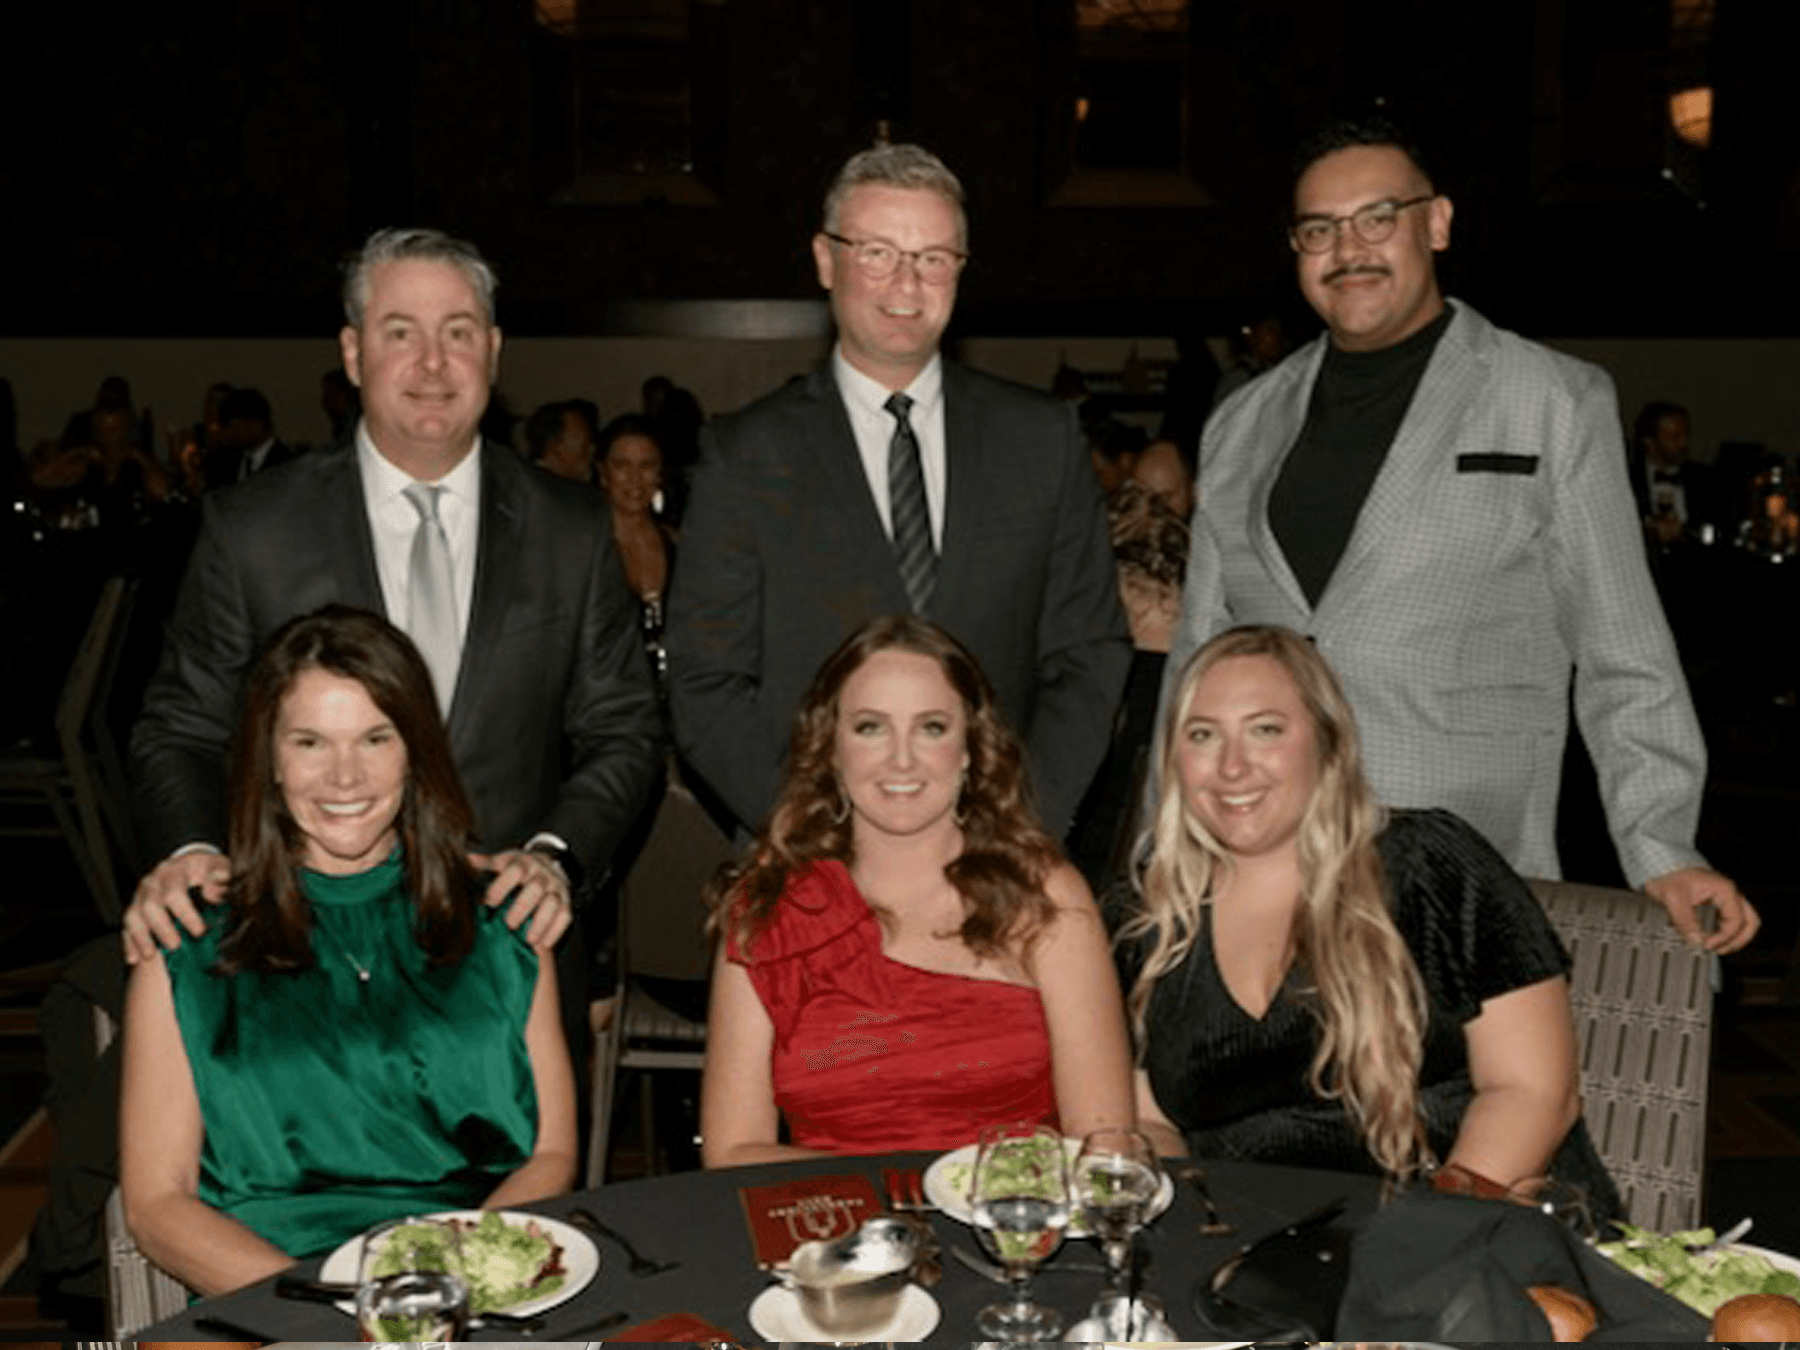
(1020, 1206)
(410, 1284)
(1116, 1179)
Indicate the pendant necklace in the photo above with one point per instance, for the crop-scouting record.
(362, 971)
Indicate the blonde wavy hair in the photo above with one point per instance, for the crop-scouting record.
(1354, 968)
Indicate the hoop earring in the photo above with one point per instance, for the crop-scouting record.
(840, 812)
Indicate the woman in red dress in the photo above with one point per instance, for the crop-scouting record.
(906, 957)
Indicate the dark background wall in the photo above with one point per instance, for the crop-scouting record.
(197, 169)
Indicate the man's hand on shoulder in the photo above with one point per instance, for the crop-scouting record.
(164, 903)
(1682, 893)
(538, 890)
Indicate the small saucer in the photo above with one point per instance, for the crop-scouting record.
(776, 1315)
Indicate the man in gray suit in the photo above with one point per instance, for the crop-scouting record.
(1442, 507)
(505, 578)
(891, 481)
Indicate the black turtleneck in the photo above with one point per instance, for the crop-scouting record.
(1357, 406)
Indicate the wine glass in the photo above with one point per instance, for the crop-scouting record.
(410, 1284)
(1020, 1206)
(1116, 1179)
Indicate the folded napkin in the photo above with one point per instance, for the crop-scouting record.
(1448, 1268)
(783, 1216)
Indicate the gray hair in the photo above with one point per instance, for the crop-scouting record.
(901, 166)
(396, 245)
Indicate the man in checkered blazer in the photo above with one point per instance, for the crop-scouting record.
(1443, 507)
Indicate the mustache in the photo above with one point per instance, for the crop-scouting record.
(1356, 270)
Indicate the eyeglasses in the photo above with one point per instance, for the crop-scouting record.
(1372, 224)
(878, 260)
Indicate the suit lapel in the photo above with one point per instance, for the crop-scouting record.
(1452, 378)
(498, 548)
(1279, 423)
(343, 517)
(964, 489)
(844, 489)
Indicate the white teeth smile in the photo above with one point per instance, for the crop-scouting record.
(902, 789)
(1238, 803)
(344, 808)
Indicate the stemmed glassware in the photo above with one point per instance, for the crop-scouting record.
(1020, 1206)
(410, 1284)
(1116, 1179)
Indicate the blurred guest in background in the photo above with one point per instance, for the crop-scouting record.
(1256, 346)
(559, 440)
(1162, 471)
(1113, 448)
(903, 888)
(1674, 493)
(631, 475)
(1150, 546)
(341, 404)
(247, 441)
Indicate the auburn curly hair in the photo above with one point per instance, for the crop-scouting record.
(1006, 854)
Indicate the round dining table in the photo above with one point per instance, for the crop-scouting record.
(694, 1222)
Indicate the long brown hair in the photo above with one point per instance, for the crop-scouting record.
(1364, 988)
(1006, 854)
(270, 924)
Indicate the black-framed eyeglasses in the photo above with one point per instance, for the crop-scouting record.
(1373, 224)
(878, 260)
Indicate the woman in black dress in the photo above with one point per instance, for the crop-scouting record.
(1313, 980)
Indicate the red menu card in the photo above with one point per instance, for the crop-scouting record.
(814, 1209)
(683, 1327)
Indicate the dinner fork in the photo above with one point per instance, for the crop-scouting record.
(639, 1263)
(1195, 1176)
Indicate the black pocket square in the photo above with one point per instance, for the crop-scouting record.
(1496, 463)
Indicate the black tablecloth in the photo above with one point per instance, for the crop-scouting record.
(695, 1218)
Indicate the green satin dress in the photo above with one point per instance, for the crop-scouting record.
(331, 1102)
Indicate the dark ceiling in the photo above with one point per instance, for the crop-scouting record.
(204, 174)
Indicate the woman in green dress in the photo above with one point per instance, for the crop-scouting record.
(361, 1039)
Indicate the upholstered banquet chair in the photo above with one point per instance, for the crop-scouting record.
(1643, 1022)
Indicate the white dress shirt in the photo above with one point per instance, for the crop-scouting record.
(393, 522)
(873, 426)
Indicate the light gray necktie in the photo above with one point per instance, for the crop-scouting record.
(906, 500)
(431, 598)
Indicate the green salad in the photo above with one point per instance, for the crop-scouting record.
(503, 1264)
(1701, 1282)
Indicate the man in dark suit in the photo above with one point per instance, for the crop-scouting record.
(505, 578)
(889, 481)
(1674, 493)
(247, 440)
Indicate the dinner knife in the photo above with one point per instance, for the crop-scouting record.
(326, 1291)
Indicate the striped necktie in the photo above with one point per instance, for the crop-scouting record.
(906, 501)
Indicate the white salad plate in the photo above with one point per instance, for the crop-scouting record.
(1780, 1260)
(953, 1199)
(580, 1258)
(776, 1315)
